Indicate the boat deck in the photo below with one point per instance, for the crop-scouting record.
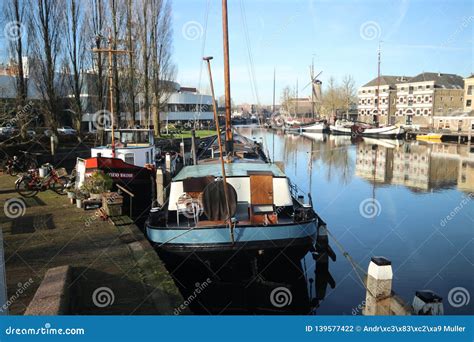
(242, 216)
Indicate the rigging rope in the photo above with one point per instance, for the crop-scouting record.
(203, 47)
(251, 63)
(355, 266)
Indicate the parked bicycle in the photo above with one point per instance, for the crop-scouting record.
(16, 165)
(30, 183)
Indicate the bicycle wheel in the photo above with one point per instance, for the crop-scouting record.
(24, 189)
(59, 186)
(11, 170)
(31, 164)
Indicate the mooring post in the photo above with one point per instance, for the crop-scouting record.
(379, 287)
(181, 148)
(53, 140)
(426, 302)
(160, 194)
(168, 163)
(193, 146)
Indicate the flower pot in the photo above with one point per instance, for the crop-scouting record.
(79, 203)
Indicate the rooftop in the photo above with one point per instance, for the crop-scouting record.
(449, 81)
(232, 170)
(387, 80)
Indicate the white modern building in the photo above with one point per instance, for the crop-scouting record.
(187, 104)
(184, 105)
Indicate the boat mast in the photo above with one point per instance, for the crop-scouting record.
(110, 53)
(229, 140)
(274, 83)
(296, 107)
(219, 141)
(312, 88)
(376, 119)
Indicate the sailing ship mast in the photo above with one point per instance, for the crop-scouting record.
(376, 119)
(274, 83)
(312, 88)
(229, 139)
(111, 52)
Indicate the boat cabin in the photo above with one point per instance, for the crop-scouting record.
(257, 194)
(133, 146)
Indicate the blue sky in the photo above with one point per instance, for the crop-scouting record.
(341, 35)
(417, 35)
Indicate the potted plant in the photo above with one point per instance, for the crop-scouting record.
(96, 184)
(80, 197)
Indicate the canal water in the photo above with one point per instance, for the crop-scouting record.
(410, 202)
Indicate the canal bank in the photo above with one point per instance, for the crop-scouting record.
(111, 269)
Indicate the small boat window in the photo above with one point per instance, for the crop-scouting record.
(130, 158)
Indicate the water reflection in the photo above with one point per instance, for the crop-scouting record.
(415, 165)
(420, 167)
(417, 186)
(263, 285)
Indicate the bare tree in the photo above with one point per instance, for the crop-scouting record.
(16, 13)
(74, 59)
(144, 38)
(163, 70)
(348, 92)
(332, 98)
(131, 84)
(48, 27)
(287, 99)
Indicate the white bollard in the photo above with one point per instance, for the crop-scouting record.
(160, 193)
(379, 279)
(168, 163)
(426, 302)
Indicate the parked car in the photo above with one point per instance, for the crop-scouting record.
(67, 130)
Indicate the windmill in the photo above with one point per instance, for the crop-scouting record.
(316, 95)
